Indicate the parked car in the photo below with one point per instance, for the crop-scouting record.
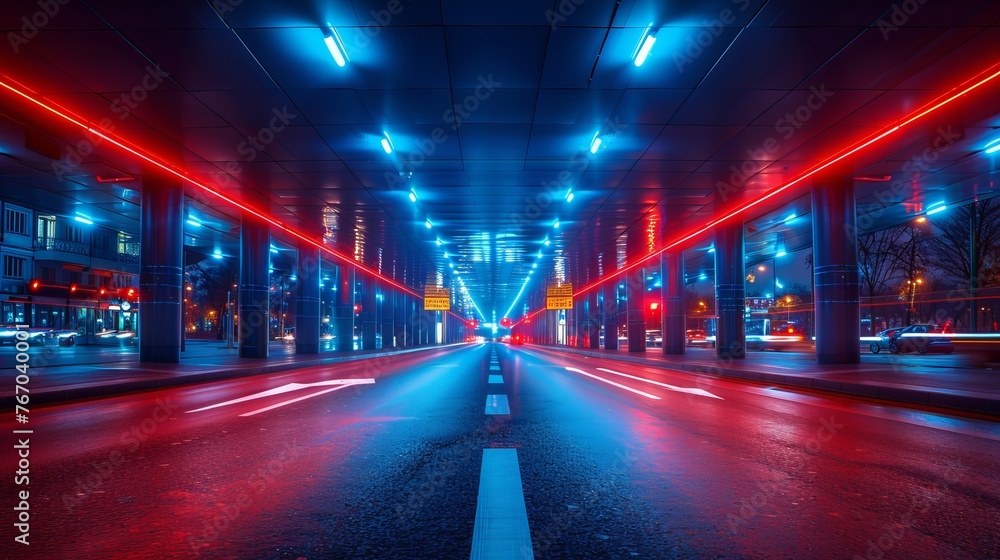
(35, 336)
(883, 340)
(920, 338)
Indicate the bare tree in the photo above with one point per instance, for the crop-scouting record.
(950, 245)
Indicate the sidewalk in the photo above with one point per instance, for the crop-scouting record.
(105, 372)
(903, 378)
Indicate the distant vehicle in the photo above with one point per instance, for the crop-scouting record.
(883, 340)
(654, 339)
(116, 338)
(696, 337)
(763, 334)
(920, 338)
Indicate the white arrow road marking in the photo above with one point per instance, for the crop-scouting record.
(609, 382)
(340, 384)
(701, 392)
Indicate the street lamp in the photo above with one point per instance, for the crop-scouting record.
(913, 292)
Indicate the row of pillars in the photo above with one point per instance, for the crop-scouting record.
(836, 292)
(397, 316)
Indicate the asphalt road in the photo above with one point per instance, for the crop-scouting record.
(388, 465)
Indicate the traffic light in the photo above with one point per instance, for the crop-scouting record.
(357, 308)
(506, 323)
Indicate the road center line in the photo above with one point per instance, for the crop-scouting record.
(501, 530)
(495, 379)
(497, 404)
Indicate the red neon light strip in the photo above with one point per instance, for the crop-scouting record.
(927, 109)
(184, 177)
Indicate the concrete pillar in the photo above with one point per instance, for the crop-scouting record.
(611, 315)
(835, 273)
(399, 320)
(309, 276)
(255, 280)
(673, 308)
(730, 291)
(369, 313)
(388, 318)
(593, 311)
(344, 308)
(161, 270)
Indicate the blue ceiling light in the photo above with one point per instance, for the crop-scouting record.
(780, 254)
(451, 265)
(438, 241)
(547, 242)
(595, 143)
(711, 249)
(217, 254)
(534, 265)
(192, 221)
(413, 195)
(937, 207)
(539, 253)
(446, 254)
(428, 223)
(555, 224)
(791, 217)
(569, 196)
(387, 143)
(992, 147)
(702, 276)
(83, 219)
(645, 45)
(336, 46)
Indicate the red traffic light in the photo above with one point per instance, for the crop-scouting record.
(506, 323)
(357, 308)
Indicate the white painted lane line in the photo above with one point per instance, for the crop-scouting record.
(288, 388)
(295, 400)
(701, 392)
(501, 531)
(497, 404)
(609, 382)
(495, 379)
(494, 368)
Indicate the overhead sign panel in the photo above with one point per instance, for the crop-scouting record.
(437, 298)
(559, 297)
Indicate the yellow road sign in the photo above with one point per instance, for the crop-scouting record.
(437, 304)
(559, 303)
(566, 290)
